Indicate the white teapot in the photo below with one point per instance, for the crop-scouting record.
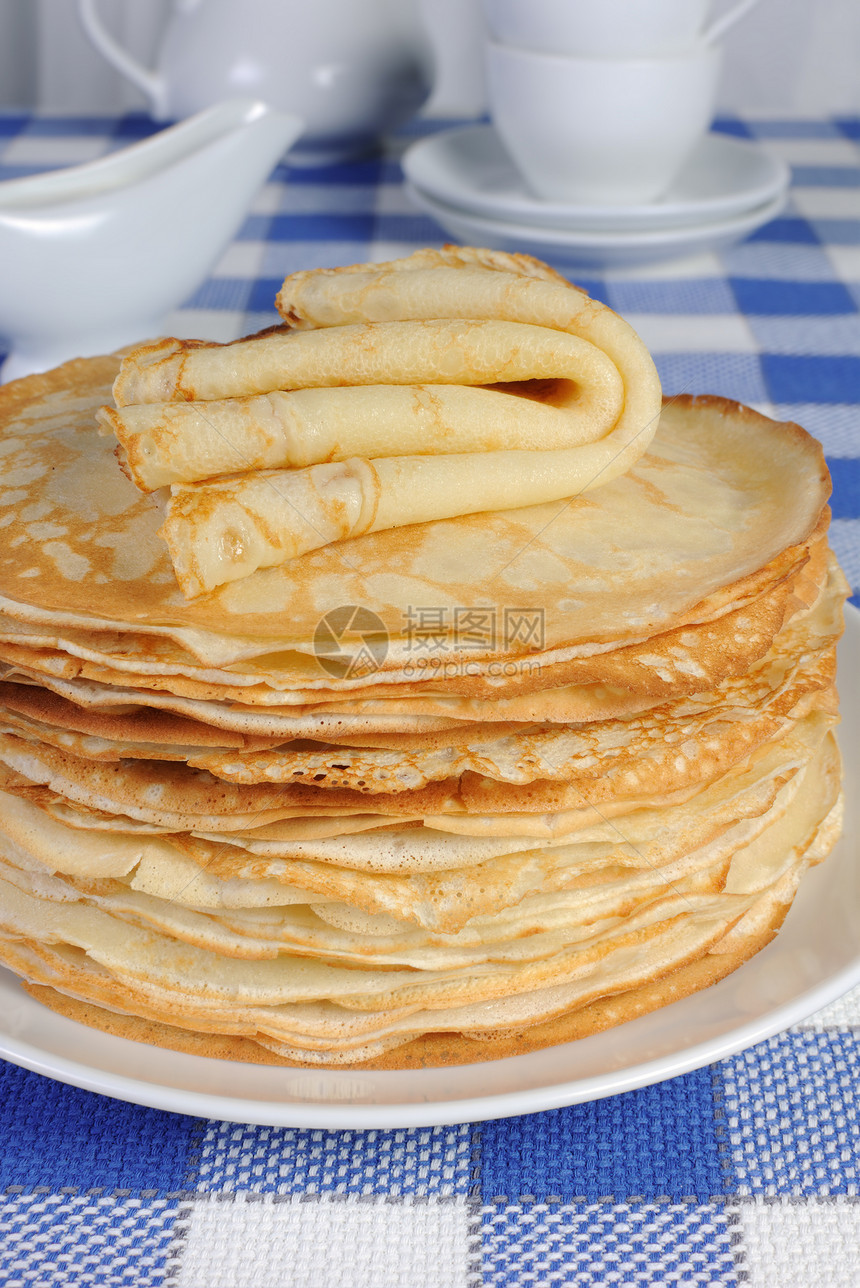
(351, 69)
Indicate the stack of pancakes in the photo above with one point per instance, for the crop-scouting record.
(436, 793)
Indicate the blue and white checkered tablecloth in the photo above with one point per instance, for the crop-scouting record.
(742, 1172)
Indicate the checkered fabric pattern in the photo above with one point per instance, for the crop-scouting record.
(745, 1172)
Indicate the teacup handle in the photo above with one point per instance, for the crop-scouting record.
(721, 25)
(150, 82)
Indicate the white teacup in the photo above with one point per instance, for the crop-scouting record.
(592, 131)
(606, 28)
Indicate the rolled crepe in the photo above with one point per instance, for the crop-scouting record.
(383, 389)
(383, 406)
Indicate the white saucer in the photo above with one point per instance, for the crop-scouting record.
(469, 168)
(590, 248)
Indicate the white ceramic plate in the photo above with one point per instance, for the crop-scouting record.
(594, 249)
(468, 168)
(814, 959)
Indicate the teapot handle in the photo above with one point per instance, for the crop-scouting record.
(150, 82)
(721, 25)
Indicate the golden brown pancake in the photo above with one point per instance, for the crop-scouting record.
(580, 771)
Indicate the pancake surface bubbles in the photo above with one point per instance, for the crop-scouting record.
(585, 762)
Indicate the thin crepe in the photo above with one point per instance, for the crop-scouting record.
(410, 439)
(212, 838)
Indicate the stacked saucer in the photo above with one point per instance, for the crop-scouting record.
(465, 180)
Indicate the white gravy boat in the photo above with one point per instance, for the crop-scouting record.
(352, 69)
(95, 256)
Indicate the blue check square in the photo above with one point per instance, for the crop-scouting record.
(798, 378)
(660, 1141)
(792, 299)
(792, 1115)
(95, 1141)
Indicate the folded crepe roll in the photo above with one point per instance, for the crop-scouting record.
(383, 389)
(387, 406)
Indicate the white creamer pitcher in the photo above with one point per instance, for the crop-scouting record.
(95, 256)
(352, 69)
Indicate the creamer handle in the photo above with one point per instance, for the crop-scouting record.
(150, 82)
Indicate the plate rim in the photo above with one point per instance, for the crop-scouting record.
(334, 1113)
(562, 216)
(555, 239)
